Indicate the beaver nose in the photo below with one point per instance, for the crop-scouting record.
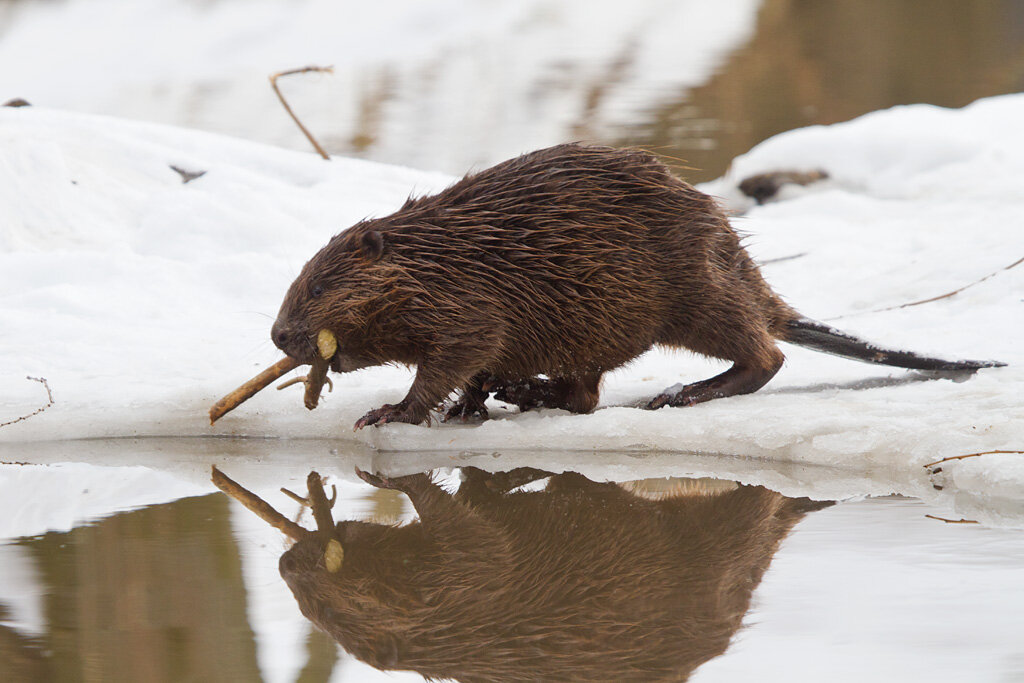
(287, 564)
(280, 334)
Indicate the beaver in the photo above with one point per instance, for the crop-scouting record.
(533, 278)
(579, 581)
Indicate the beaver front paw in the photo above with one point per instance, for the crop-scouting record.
(399, 412)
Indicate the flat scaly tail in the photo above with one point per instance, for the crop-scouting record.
(816, 335)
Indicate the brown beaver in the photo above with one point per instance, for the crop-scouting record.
(581, 581)
(566, 262)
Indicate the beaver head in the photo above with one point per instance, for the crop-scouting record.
(338, 290)
(367, 597)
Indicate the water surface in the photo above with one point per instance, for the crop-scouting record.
(186, 587)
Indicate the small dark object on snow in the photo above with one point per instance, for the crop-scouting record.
(764, 186)
(187, 176)
(567, 262)
(17, 102)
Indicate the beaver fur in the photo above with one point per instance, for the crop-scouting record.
(566, 262)
(581, 581)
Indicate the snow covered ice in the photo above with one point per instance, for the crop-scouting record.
(142, 299)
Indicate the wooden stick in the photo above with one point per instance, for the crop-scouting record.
(955, 291)
(320, 505)
(934, 298)
(250, 388)
(259, 506)
(284, 102)
(952, 521)
(969, 455)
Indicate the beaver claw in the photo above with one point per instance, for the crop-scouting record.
(398, 412)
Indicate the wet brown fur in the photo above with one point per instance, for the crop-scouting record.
(581, 581)
(566, 262)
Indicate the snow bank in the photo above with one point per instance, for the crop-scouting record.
(142, 299)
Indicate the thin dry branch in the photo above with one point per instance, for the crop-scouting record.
(287, 108)
(780, 259)
(952, 521)
(262, 509)
(935, 298)
(250, 388)
(49, 402)
(955, 291)
(969, 455)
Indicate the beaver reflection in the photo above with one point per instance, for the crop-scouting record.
(581, 581)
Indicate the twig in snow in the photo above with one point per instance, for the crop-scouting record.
(49, 402)
(952, 521)
(969, 455)
(284, 102)
(187, 176)
(784, 258)
(936, 298)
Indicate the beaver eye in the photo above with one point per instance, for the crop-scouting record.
(317, 291)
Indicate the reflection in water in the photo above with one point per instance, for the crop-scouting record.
(580, 579)
(150, 595)
(22, 656)
(824, 62)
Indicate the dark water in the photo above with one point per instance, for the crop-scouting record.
(187, 591)
(812, 62)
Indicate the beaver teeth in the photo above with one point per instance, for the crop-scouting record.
(333, 556)
(326, 343)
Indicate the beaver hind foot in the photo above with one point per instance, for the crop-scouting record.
(739, 379)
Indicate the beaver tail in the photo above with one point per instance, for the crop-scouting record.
(816, 335)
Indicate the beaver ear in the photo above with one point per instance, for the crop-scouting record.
(372, 245)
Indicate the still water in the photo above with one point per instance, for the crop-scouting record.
(813, 63)
(803, 63)
(448, 86)
(561, 578)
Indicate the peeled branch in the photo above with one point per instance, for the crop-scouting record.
(258, 505)
(327, 346)
(315, 382)
(250, 388)
(316, 499)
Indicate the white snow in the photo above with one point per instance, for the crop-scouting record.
(141, 299)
